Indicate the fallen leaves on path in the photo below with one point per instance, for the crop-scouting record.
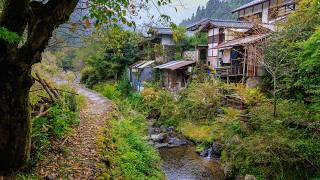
(76, 156)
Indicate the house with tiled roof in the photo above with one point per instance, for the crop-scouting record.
(234, 52)
(265, 11)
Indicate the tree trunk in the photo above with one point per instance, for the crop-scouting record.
(38, 20)
(15, 121)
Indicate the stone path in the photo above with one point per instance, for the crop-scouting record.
(77, 158)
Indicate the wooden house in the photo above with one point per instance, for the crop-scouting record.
(164, 43)
(233, 46)
(219, 31)
(265, 11)
(245, 60)
(175, 74)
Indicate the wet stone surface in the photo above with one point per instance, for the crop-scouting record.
(183, 163)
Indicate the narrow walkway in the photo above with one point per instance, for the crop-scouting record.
(77, 158)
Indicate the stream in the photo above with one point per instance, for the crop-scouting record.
(183, 163)
(179, 158)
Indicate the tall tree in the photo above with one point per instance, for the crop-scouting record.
(36, 21)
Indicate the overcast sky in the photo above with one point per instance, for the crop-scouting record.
(184, 11)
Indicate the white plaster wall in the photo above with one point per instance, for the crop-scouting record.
(167, 40)
(214, 52)
(229, 35)
(216, 31)
(210, 32)
(265, 12)
(210, 54)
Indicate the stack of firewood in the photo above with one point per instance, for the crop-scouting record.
(42, 107)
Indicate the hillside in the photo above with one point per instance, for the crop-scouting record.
(216, 9)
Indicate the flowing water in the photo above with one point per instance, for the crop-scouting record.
(183, 163)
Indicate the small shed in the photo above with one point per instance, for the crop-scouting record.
(176, 74)
(139, 73)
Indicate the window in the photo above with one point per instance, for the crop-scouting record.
(209, 63)
(210, 39)
(221, 36)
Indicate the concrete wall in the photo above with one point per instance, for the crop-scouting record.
(191, 55)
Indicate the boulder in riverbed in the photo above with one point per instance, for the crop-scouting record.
(160, 138)
(176, 141)
(216, 150)
(161, 145)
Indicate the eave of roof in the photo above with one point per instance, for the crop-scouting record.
(142, 64)
(201, 25)
(173, 65)
(252, 3)
(242, 41)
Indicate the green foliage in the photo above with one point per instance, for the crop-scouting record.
(185, 42)
(163, 102)
(129, 154)
(275, 147)
(309, 67)
(124, 145)
(117, 49)
(121, 11)
(10, 37)
(58, 122)
(108, 90)
(292, 53)
(200, 101)
(67, 61)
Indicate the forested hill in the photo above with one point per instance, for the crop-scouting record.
(216, 9)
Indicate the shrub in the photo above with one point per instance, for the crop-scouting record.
(282, 147)
(58, 122)
(108, 90)
(200, 101)
(163, 102)
(250, 96)
(199, 133)
(126, 148)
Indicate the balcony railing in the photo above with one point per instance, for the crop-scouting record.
(227, 71)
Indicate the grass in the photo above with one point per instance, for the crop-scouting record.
(124, 148)
(199, 133)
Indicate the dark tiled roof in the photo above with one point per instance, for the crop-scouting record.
(252, 3)
(221, 23)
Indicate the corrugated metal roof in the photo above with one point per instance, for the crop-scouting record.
(221, 23)
(142, 64)
(242, 41)
(252, 3)
(173, 65)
